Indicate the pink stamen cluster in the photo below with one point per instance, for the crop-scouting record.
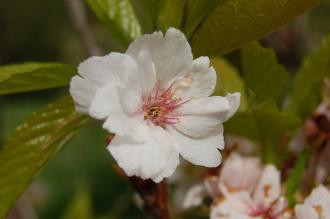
(263, 213)
(159, 107)
(267, 212)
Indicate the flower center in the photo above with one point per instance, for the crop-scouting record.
(159, 107)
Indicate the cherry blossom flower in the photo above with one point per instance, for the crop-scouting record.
(316, 206)
(264, 202)
(156, 99)
(238, 173)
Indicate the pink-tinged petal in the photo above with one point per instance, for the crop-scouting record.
(82, 92)
(240, 173)
(200, 81)
(305, 212)
(318, 202)
(218, 107)
(237, 205)
(171, 53)
(268, 188)
(279, 209)
(145, 159)
(211, 184)
(199, 151)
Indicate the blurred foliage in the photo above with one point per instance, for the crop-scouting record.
(80, 207)
(34, 76)
(306, 89)
(119, 17)
(262, 74)
(293, 182)
(32, 144)
(80, 178)
(171, 14)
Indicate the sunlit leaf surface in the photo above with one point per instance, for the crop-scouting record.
(171, 14)
(146, 11)
(233, 23)
(34, 76)
(119, 17)
(196, 11)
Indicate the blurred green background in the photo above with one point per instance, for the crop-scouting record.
(41, 30)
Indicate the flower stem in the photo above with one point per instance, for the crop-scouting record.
(154, 196)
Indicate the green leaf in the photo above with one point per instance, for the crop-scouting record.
(243, 124)
(306, 89)
(146, 11)
(294, 180)
(262, 74)
(34, 76)
(119, 17)
(32, 144)
(228, 80)
(197, 10)
(171, 14)
(273, 123)
(233, 23)
(264, 123)
(80, 206)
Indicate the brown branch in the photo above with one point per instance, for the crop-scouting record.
(154, 196)
(78, 16)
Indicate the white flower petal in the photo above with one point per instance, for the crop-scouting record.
(200, 81)
(201, 116)
(82, 92)
(236, 205)
(279, 209)
(194, 196)
(171, 54)
(147, 72)
(320, 195)
(199, 151)
(268, 188)
(218, 107)
(112, 68)
(239, 173)
(123, 125)
(319, 200)
(105, 102)
(305, 212)
(171, 165)
(198, 126)
(133, 91)
(145, 159)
